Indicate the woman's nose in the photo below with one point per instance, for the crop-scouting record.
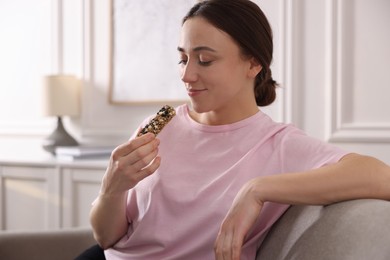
(189, 73)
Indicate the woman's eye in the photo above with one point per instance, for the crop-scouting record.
(200, 62)
(204, 63)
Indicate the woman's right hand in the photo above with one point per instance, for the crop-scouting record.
(130, 163)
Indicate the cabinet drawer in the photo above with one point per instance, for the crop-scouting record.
(29, 198)
(80, 188)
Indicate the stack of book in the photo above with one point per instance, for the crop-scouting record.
(70, 153)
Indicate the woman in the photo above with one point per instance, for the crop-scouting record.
(221, 172)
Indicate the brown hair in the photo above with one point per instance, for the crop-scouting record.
(246, 23)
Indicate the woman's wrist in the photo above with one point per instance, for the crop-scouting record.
(275, 188)
(258, 188)
(111, 196)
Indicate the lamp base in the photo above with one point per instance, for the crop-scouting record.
(59, 137)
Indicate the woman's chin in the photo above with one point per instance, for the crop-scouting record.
(198, 108)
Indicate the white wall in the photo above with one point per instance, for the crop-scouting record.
(341, 89)
(331, 58)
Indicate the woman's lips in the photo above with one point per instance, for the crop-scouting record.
(195, 92)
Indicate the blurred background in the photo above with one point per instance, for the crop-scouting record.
(332, 60)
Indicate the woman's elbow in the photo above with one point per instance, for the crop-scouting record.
(384, 185)
(103, 242)
(380, 176)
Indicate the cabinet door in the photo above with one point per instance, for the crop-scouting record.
(28, 198)
(80, 188)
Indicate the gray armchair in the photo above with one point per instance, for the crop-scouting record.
(63, 244)
(351, 230)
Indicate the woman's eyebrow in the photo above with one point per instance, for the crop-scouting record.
(196, 49)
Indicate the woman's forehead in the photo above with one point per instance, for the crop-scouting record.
(197, 32)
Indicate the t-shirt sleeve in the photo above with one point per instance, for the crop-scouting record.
(300, 152)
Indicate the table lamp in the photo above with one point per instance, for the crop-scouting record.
(61, 97)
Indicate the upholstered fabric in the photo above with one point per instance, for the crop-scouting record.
(64, 244)
(352, 230)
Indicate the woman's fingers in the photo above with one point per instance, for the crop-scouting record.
(151, 168)
(136, 150)
(143, 155)
(130, 163)
(132, 145)
(237, 223)
(229, 242)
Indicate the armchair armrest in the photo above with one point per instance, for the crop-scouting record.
(350, 230)
(62, 244)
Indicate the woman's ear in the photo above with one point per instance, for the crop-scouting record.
(254, 68)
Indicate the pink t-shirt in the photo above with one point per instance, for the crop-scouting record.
(176, 212)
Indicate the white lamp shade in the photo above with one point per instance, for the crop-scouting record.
(61, 95)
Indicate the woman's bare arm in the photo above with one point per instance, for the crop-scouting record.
(129, 164)
(353, 177)
(108, 219)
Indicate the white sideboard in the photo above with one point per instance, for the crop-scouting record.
(45, 193)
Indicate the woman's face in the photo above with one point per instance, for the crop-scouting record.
(218, 78)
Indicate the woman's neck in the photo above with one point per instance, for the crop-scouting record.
(224, 116)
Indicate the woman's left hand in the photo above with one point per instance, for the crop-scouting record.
(237, 223)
